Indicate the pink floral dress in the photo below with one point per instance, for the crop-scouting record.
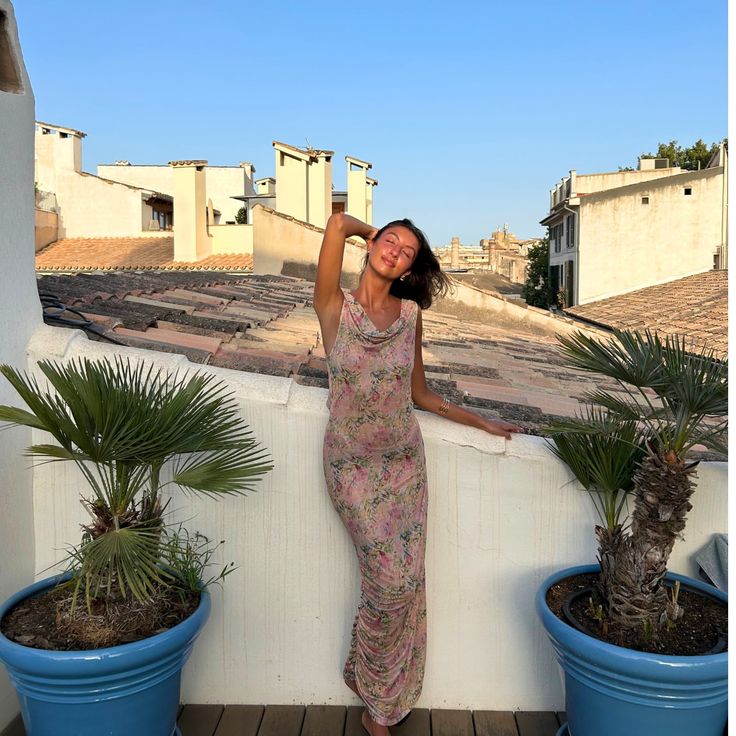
(376, 477)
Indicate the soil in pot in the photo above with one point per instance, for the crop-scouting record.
(698, 632)
(46, 621)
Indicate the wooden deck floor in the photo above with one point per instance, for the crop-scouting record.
(339, 720)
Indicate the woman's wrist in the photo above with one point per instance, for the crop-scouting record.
(354, 227)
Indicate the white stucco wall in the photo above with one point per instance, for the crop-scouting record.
(55, 153)
(502, 516)
(357, 193)
(624, 245)
(92, 207)
(20, 315)
(587, 183)
(319, 182)
(231, 238)
(482, 302)
(47, 228)
(222, 183)
(292, 185)
(155, 178)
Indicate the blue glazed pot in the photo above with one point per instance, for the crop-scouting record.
(613, 691)
(131, 689)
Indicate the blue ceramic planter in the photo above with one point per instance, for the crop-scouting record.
(612, 691)
(132, 689)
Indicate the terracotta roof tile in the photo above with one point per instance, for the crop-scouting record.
(115, 254)
(266, 324)
(694, 306)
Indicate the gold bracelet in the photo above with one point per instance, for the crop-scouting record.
(444, 407)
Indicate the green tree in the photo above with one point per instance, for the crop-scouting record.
(691, 159)
(536, 290)
(241, 216)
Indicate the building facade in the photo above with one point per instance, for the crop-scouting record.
(613, 233)
(303, 189)
(89, 205)
(502, 253)
(222, 182)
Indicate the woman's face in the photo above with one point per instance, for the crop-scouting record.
(394, 252)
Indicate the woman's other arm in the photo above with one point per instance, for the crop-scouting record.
(428, 400)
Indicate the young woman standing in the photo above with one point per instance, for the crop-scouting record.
(373, 451)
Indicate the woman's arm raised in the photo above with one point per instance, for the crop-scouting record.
(428, 400)
(327, 286)
(327, 294)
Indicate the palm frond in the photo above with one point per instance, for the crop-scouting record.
(624, 407)
(631, 357)
(126, 560)
(223, 472)
(55, 452)
(13, 415)
(602, 450)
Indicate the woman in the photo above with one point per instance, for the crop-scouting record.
(373, 451)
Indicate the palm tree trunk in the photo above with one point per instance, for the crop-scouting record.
(609, 543)
(637, 599)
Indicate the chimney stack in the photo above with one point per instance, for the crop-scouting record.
(455, 253)
(191, 239)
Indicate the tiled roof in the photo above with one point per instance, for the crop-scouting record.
(266, 324)
(156, 252)
(694, 306)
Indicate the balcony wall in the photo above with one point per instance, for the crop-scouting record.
(502, 516)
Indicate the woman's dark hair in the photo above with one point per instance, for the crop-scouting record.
(426, 279)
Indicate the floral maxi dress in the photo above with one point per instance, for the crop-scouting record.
(376, 477)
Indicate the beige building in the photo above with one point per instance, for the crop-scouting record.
(303, 188)
(503, 253)
(93, 207)
(89, 205)
(360, 189)
(617, 232)
(303, 183)
(222, 183)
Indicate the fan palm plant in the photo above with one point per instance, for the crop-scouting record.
(638, 440)
(123, 425)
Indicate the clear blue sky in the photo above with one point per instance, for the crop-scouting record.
(470, 111)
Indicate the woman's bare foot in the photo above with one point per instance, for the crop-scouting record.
(373, 728)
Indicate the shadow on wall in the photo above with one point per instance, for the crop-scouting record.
(285, 246)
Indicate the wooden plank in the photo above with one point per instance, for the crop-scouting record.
(561, 717)
(240, 720)
(447, 722)
(14, 728)
(353, 726)
(494, 723)
(536, 723)
(199, 720)
(324, 720)
(282, 720)
(417, 724)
